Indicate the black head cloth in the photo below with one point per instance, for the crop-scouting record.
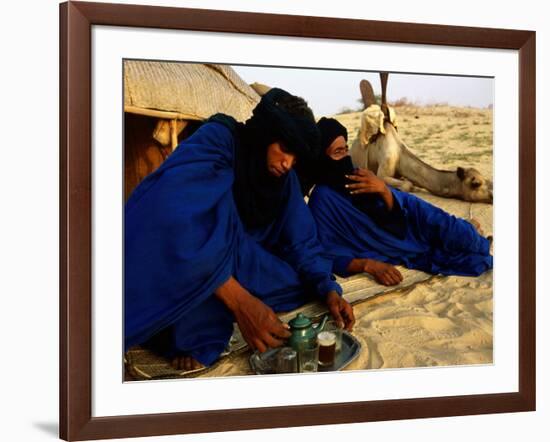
(278, 117)
(324, 170)
(282, 117)
(333, 173)
(330, 129)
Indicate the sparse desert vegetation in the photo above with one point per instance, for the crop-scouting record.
(442, 135)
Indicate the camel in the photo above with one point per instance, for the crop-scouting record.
(379, 148)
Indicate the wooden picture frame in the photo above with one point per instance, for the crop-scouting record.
(76, 20)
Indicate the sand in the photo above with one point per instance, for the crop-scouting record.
(445, 137)
(446, 320)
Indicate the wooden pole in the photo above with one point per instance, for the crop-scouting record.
(160, 114)
(176, 126)
(174, 133)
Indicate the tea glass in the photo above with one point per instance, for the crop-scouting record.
(309, 359)
(287, 361)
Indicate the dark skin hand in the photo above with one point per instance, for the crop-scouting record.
(382, 272)
(368, 182)
(259, 325)
(341, 310)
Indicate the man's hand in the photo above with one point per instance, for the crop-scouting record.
(341, 310)
(368, 182)
(383, 272)
(259, 325)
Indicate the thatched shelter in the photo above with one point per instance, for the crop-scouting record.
(165, 101)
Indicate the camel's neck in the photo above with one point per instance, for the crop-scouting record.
(439, 182)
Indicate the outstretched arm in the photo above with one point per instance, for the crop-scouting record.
(295, 240)
(299, 245)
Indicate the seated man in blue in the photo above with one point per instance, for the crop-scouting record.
(366, 226)
(220, 233)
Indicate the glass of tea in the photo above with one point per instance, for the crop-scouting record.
(327, 347)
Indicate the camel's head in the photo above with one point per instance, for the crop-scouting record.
(475, 187)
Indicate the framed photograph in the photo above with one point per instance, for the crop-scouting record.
(438, 321)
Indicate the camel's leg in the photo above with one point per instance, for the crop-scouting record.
(386, 171)
(359, 154)
(401, 184)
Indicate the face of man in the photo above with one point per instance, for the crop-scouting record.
(338, 148)
(279, 160)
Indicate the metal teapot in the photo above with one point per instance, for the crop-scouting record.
(304, 333)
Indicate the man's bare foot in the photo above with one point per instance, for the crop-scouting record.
(382, 272)
(186, 363)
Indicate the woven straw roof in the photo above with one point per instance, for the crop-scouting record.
(192, 91)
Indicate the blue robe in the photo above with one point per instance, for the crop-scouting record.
(184, 238)
(434, 241)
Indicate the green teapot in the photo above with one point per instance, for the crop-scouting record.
(304, 333)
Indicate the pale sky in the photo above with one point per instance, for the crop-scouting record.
(327, 92)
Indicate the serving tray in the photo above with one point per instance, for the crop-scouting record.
(265, 363)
